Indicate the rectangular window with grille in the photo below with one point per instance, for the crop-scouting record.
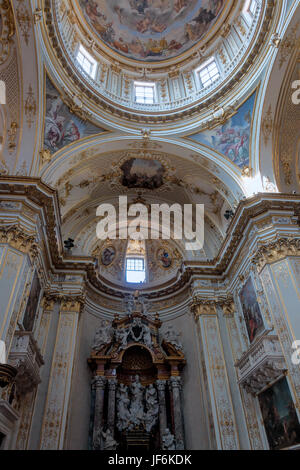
(86, 62)
(208, 73)
(135, 270)
(144, 92)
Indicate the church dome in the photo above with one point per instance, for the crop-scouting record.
(155, 61)
(152, 30)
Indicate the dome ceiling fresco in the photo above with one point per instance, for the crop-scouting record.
(151, 30)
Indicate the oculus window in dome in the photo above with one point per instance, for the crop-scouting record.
(151, 30)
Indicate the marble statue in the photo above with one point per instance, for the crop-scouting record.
(147, 336)
(171, 336)
(108, 442)
(103, 336)
(168, 440)
(2, 352)
(152, 407)
(122, 337)
(123, 402)
(136, 405)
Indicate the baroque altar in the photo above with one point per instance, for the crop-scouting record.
(136, 384)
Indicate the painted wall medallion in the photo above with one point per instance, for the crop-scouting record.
(108, 255)
(164, 258)
(251, 310)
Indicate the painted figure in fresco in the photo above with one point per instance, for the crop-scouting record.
(61, 126)
(142, 173)
(118, 21)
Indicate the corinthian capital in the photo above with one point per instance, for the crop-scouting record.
(275, 251)
(202, 306)
(161, 385)
(227, 306)
(175, 382)
(98, 382)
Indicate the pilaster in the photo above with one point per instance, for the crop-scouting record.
(205, 313)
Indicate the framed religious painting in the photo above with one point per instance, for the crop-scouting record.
(279, 416)
(251, 310)
(32, 304)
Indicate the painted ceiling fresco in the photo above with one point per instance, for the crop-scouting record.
(151, 30)
(232, 139)
(61, 126)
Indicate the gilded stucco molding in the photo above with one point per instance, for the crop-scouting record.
(201, 307)
(7, 30)
(16, 238)
(68, 302)
(234, 248)
(24, 20)
(275, 251)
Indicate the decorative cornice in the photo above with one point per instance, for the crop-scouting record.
(249, 211)
(15, 237)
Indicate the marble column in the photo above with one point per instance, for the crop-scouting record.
(161, 387)
(175, 383)
(112, 384)
(98, 383)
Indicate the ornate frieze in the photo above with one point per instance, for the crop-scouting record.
(262, 364)
(276, 251)
(15, 237)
